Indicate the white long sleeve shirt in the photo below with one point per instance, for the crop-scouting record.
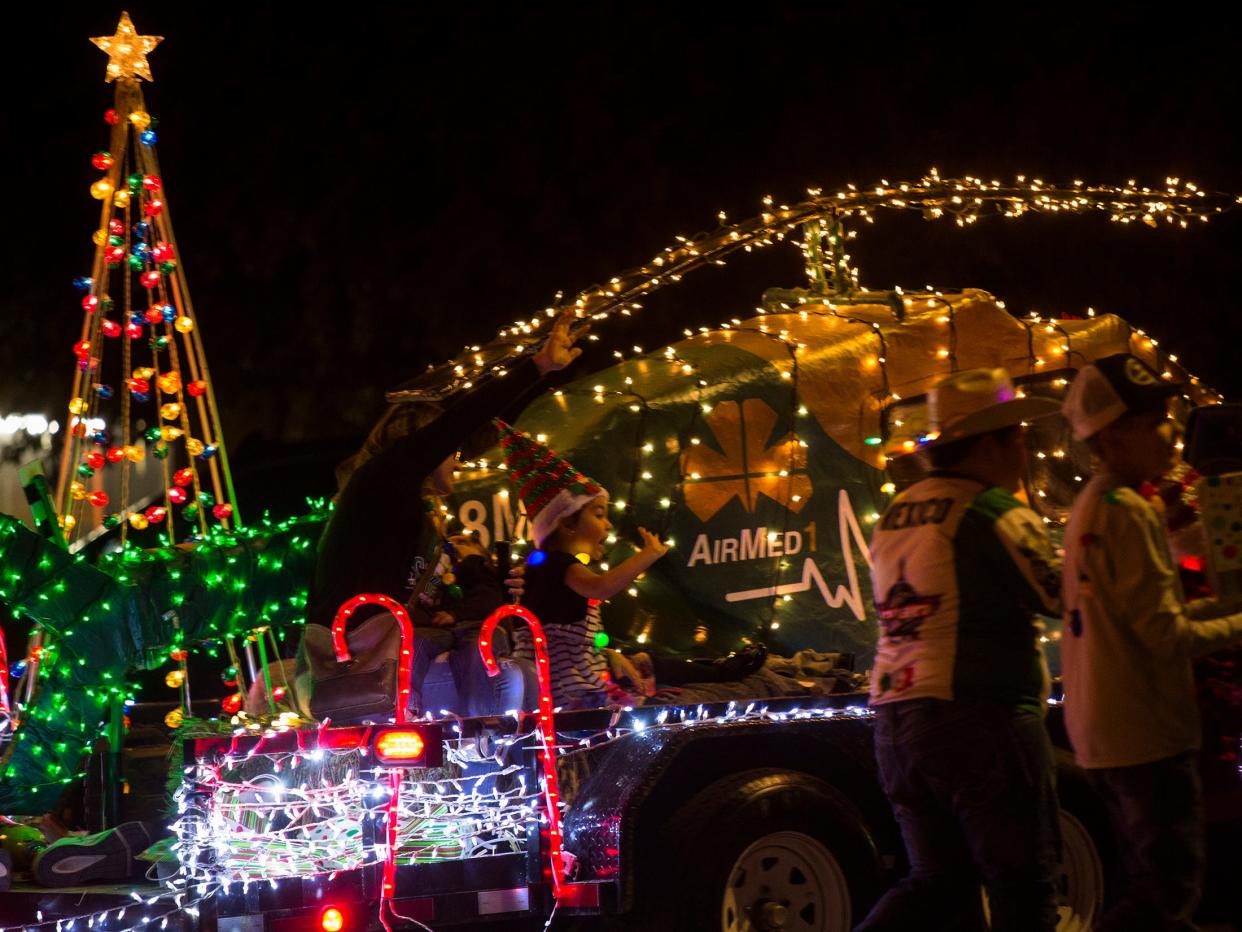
(1128, 637)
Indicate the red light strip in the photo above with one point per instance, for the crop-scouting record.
(545, 724)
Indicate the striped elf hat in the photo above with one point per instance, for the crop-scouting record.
(550, 487)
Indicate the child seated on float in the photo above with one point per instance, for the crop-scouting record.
(465, 589)
(568, 513)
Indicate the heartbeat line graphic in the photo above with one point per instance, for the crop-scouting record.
(849, 595)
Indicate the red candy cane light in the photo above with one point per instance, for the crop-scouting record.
(403, 698)
(545, 724)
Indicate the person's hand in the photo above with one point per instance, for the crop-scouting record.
(515, 582)
(443, 620)
(652, 545)
(558, 350)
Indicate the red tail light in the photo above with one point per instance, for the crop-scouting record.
(401, 746)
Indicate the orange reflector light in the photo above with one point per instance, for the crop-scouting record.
(331, 920)
(398, 745)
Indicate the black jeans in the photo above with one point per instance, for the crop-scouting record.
(1157, 813)
(972, 787)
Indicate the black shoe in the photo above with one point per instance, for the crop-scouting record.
(107, 856)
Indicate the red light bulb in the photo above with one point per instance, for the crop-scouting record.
(177, 495)
(153, 207)
(150, 280)
(89, 303)
(110, 117)
(154, 314)
(99, 499)
(115, 227)
(133, 331)
(151, 182)
(183, 477)
(95, 461)
(112, 329)
(82, 349)
(196, 388)
(223, 511)
(155, 514)
(102, 161)
(232, 704)
(139, 386)
(115, 455)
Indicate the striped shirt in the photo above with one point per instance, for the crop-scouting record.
(570, 622)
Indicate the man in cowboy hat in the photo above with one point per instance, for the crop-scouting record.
(960, 569)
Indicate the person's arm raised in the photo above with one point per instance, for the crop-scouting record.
(605, 585)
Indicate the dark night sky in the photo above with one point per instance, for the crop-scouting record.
(359, 192)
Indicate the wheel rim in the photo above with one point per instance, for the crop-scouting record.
(1080, 879)
(786, 882)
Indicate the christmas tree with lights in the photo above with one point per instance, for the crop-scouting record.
(141, 387)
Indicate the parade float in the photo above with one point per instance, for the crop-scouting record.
(763, 448)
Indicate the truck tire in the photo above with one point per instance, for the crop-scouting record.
(761, 851)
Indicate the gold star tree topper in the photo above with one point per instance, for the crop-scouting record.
(127, 51)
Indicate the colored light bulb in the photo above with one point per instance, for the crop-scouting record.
(96, 459)
(152, 207)
(147, 137)
(173, 719)
(133, 331)
(143, 372)
(223, 511)
(169, 383)
(135, 454)
(152, 182)
(156, 514)
(170, 411)
(104, 391)
(116, 227)
(99, 237)
(193, 447)
(196, 388)
(174, 678)
(140, 119)
(183, 477)
(89, 303)
(121, 198)
(229, 676)
(170, 434)
(77, 405)
(77, 491)
(160, 452)
(177, 495)
(115, 253)
(101, 189)
(112, 329)
(154, 313)
(82, 348)
(150, 280)
(208, 452)
(83, 283)
(102, 160)
(110, 117)
(177, 654)
(232, 704)
(184, 324)
(138, 521)
(99, 499)
(139, 386)
(115, 455)
(85, 471)
(135, 262)
(206, 499)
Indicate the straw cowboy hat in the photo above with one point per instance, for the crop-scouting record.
(976, 401)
